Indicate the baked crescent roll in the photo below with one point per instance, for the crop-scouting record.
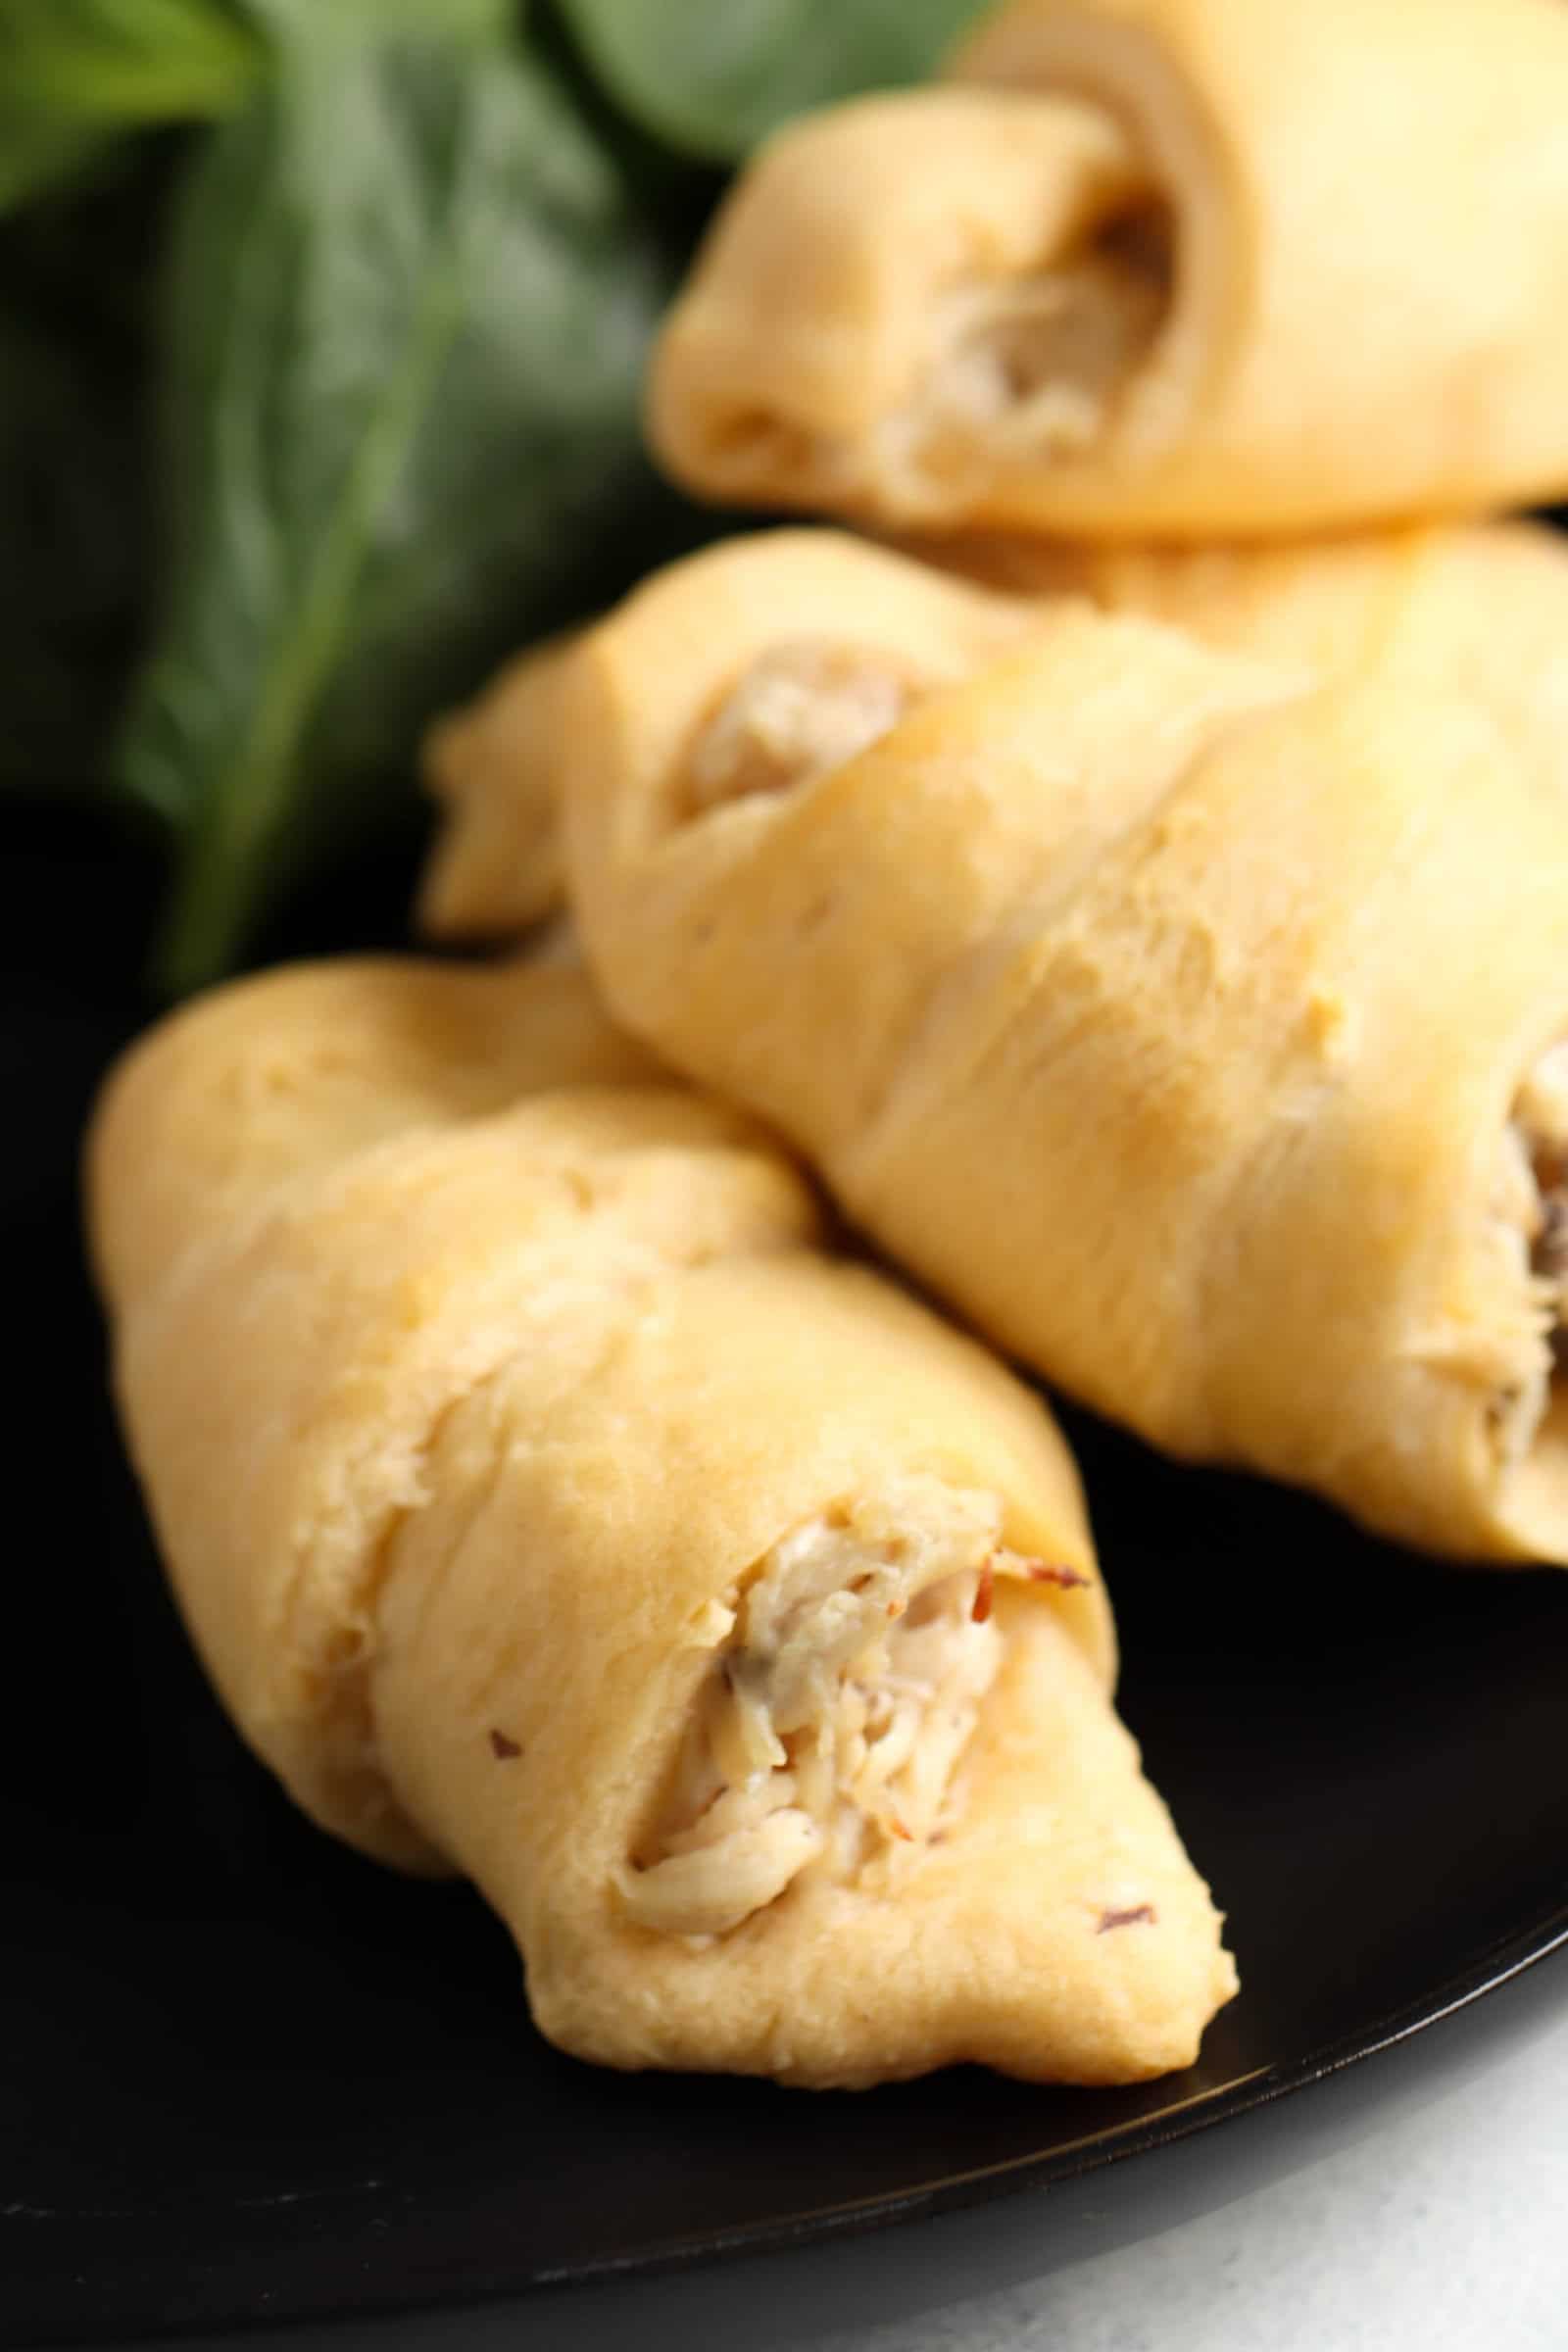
(1482, 609)
(496, 766)
(1198, 1030)
(550, 1502)
(1167, 268)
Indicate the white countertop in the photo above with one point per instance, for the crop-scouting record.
(1445, 2231)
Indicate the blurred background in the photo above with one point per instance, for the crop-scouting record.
(322, 328)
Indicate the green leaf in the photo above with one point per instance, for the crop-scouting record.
(350, 22)
(76, 73)
(126, 61)
(411, 304)
(37, 151)
(712, 77)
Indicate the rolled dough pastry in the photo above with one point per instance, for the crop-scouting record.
(1151, 268)
(1196, 1028)
(551, 1502)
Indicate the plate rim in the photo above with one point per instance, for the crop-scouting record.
(1502, 1960)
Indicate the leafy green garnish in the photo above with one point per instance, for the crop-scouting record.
(76, 73)
(411, 275)
(714, 77)
(411, 307)
(350, 22)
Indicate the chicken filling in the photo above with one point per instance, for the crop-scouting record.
(1033, 368)
(829, 1735)
(1533, 1204)
(798, 710)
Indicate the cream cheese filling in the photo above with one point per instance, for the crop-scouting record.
(1532, 1202)
(804, 707)
(1025, 370)
(830, 1732)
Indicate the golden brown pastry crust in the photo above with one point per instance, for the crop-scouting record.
(1338, 304)
(1169, 1016)
(1480, 609)
(496, 865)
(471, 1370)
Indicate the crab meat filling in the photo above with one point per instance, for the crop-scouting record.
(828, 1737)
(798, 711)
(1533, 1204)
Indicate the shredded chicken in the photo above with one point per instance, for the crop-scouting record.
(1031, 367)
(1532, 1202)
(832, 1725)
(800, 710)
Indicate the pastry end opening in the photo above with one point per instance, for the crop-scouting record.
(1020, 366)
(1036, 367)
(798, 710)
(829, 1736)
(1529, 1415)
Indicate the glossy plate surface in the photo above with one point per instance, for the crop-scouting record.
(246, 2077)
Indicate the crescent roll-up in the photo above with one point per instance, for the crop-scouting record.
(1196, 1028)
(1480, 609)
(497, 765)
(551, 1503)
(1174, 268)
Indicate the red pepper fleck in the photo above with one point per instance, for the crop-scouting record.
(502, 1749)
(899, 1829)
(1143, 1915)
(1043, 1572)
(983, 1593)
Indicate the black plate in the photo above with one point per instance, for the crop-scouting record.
(248, 2076)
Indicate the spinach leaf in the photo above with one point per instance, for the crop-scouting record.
(409, 308)
(714, 77)
(349, 22)
(39, 149)
(74, 74)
